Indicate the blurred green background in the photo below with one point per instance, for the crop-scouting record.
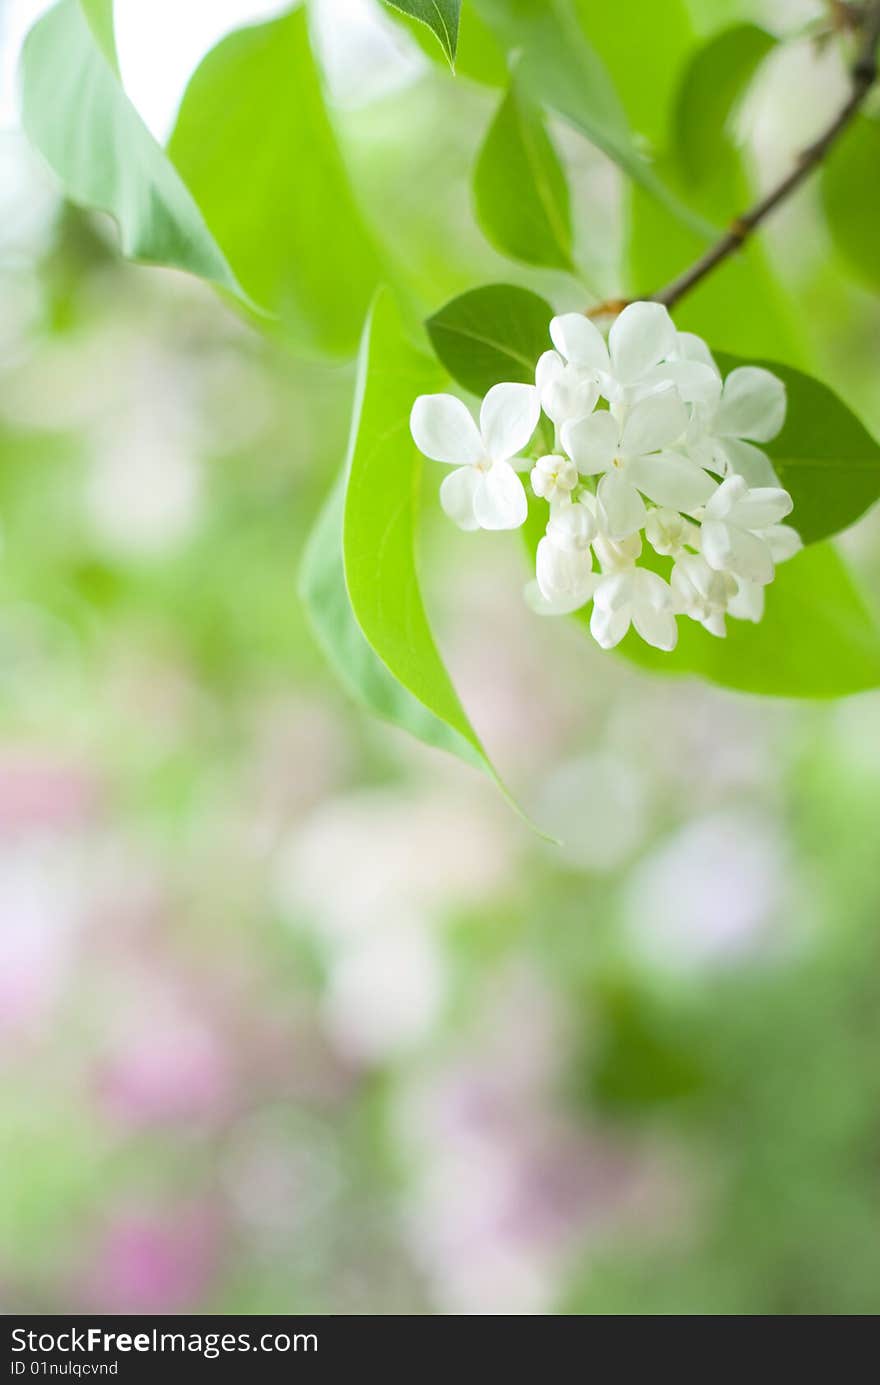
(295, 1014)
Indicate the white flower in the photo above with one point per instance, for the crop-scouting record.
(749, 408)
(632, 452)
(692, 368)
(668, 532)
(629, 366)
(553, 478)
(566, 390)
(484, 492)
(747, 603)
(633, 596)
(702, 593)
(734, 536)
(564, 563)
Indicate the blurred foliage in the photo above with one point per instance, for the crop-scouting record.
(294, 1015)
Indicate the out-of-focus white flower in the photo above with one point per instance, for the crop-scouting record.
(384, 992)
(712, 893)
(734, 532)
(631, 451)
(484, 491)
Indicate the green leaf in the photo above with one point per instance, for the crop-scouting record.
(360, 670)
(441, 17)
(817, 638)
(850, 179)
(713, 85)
(380, 520)
(824, 456)
(620, 34)
(520, 189)
(491, 334)
(76, 113)
(478, 54)
(255, 145)
(99, 14)
(558, 68)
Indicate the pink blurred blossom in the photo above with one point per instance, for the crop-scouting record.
(153, 1262)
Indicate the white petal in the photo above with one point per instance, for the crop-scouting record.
(714, 623)
(568, 393)
(549, 368)
(654, 422)
(616, 555)
(672, 480)
(763, 506)
(500, 498)
(783, 542)
(444, 430)
(542, 607)
(508, 417)
(579, 340)
(657, 628)
(641, 337)
(572, 525)
(651, 589)
(611, 389)
(748, 603)
(695, 382)
(732, 490)
(608, 627)
(457, 496)
(623, 506)
(565, 574)
(752, 405)
(746, 460)
(591, 442)
(690, 347)
(615, 592)
(729, 549)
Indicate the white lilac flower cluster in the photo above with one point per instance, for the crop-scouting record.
(654, 458)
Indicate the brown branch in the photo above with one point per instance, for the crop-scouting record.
(863, 75)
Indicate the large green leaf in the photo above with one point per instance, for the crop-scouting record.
(358, 667)
(76, 113)
(99, 14)
(380, 520)
(713, 84)
(823, 456)
(520, 189)
(441, 17)
(558, 68)
(491, 334)
(620, 33)
(851, 197)
(254, 144)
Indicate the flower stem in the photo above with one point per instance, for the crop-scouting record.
(863, 75)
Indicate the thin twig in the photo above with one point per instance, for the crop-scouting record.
(863, 76)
